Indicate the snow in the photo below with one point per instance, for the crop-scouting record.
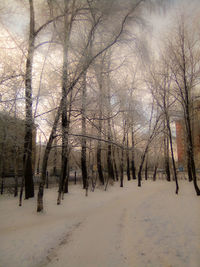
(130, 226)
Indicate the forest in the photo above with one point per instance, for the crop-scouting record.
(98, 91)
(100, 112)
(88, 79)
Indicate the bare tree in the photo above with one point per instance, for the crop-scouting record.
(83, 141)
(160, 88)
(154, 129)
(183, 61)
(83, 64)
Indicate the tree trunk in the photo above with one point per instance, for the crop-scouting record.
(83, 141)
(133, 169)
(64, 162)
(39, 157)
(99, 163)
(115, 165)
(189, 168)
(2, 175)
(167, 170)
(122, 168)
(65, 92)
(84, 164)
(142, 163)
(191, 162)
(16, 174)
(146, 169)
(63, 182)
(127, 159)
(172, 153)
(3, 156)
(140, 169)
(187, 106)
(99, 150)
(110, 163)
(110, 147)
(27, 159)
(45, 160)
(55, 158)
(47, 179)
(66, 182)
(166, 155)
(122, 157)
(155, 172)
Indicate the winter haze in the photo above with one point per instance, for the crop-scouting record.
(99, 133)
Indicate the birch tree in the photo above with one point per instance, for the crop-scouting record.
(102, 16)
(183, 60)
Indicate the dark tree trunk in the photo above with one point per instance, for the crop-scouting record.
(64, 163)
(190, 149)
(191, 162)
(189, 169)
(2, 162)
(110, 163)
(115, 166)
(84, 164)
(187, 101)
(27, 159)
(99, 150)
(64, 178)
(166, 154)
(16, 175)
(47, 179)
(21, 190)
(122, 168)
(99, 164)
(127, 160)
(55, 155)
(45, 160)
(133, 169)
(141, 165)
(140, 170)
(75, 177)
(110, 147)
(65, 92)
(146, 169)
(83, 141)
(39, 157)
(155, 172)
(2, 180)
(167, 170)
(122, 158)
(194, 176)
(172, 153)
(66, 182)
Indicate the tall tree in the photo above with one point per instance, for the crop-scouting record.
(68, 19)
(183, 61)
(83, 141)
(161, 88)
(29, 124)
(99, 14)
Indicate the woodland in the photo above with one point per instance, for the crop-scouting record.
(97, 87)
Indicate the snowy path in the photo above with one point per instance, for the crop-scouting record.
(136, 227)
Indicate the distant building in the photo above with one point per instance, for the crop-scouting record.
(12, 145)
(181, 140)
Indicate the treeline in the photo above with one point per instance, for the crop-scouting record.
(81, 74)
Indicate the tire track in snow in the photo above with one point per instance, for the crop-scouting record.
(64, 240)
(98, 241)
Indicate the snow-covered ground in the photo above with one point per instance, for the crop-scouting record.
(130, 226)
